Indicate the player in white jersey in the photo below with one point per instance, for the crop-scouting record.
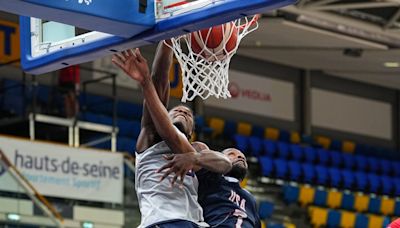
(162, 134)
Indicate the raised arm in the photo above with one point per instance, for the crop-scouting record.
(133, 63)
(160, 77)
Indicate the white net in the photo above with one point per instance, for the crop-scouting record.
(205, 63)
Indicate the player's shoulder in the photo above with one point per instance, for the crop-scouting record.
(249, 195)
(199, 146)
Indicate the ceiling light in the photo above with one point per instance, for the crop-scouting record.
(13, 217)
(392, 64)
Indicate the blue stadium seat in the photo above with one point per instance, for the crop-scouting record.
(129, 110)
(386, 167)
(281, 168)
(374, 182)
(200, 125)
(323, 156)
(43, 94)
(348, 179)
(361, 181)
(349, 161)
(322, 174)
(347, 200)
(310, 154)
(387, 185)
(336, 145)
(335, 177)
(15, 105)
(386, 222)
(265, 209)
(397, 208)
(361, 221)
(294, 170)
(266, 166)
(373, 164)
(242, 143)
(320, 197)
(396, 168)
(270, 147)
(128, 128)
(257, 131)
(334, 218)
(229, 129)
(283, 150)
(361, 162)
(97, 104)
(90, 117)
(255, 146)
(396, 182)
(126, 144)
(336, 158)
(284, 136)
(296, 152)
(308, 173)
(374, 205)
(290, 193)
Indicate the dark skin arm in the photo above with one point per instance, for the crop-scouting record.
(133, 63)
(180, 164)
(160, 71)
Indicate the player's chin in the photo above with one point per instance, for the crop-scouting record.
(240, 164)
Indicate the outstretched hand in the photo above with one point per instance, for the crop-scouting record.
(133, 64)
(180, 164)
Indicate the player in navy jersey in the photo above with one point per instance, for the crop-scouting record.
(224, 202)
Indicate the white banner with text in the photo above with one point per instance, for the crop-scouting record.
(258, 95)
(66, 172)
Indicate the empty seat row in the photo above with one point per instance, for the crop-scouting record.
(322, 217)
(228, 129)
(254, 146)
(329, 176)
(124, 144)
(104, 105)
(332, 198)
(127, 128)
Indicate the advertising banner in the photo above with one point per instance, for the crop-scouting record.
(66, 172)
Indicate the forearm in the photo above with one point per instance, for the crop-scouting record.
(162, 63)
(160, 75)
(162, 123)
(156, 109)
(213, 161)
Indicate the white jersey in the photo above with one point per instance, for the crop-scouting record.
(158, 201)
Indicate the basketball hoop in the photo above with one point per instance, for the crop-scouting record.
(205, 70)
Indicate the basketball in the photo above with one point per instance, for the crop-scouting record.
(215, 43)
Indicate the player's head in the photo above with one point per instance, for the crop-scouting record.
(239, 163)
(182, 117)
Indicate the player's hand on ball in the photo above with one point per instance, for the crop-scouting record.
(180, 165)
(133, 64)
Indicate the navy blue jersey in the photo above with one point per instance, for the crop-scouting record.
(225, 203)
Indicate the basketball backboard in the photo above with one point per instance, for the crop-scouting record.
(106, 27)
